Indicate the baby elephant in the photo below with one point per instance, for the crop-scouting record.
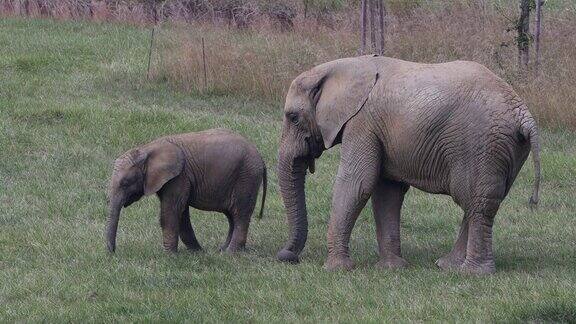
(213, 170)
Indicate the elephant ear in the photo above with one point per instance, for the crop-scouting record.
(339, 91)
(164, 162)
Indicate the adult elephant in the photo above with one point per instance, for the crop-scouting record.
(452, 128)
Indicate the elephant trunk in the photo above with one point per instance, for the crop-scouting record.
(291, 178)
(114, 207)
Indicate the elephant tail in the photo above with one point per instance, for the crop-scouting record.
(530, 132)
(264, 189)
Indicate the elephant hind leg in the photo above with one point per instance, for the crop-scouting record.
(387, 200)
(454, 259)
(230, 231)
(187, 232)
(479, 256)
(239, 232)
(240, 215)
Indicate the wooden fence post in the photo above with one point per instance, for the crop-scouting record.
(372, 11)
(382, 14)
(363, 27)
(152, 12)
(204, 65)
(150, 52)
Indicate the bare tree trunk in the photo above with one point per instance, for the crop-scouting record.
(524, 34)
(372, 10)
(382, 15)
(537, 33)
(79, 10)
(306, 8)
(363, 27)
(43, 7)
(90, 9)
(152, 12)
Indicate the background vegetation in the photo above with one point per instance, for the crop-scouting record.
(254, 48)
(74, 95)
(263, 61)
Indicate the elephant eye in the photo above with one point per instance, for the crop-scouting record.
(293, 117)
(125, 182)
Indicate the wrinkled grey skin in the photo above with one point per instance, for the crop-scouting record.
(453, 128)
(214, 170)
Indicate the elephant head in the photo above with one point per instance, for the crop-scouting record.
(318, 105)
(139, 172)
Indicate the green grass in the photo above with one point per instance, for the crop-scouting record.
(73, 96)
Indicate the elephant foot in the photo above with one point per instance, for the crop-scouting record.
(449, 262)
(287, 256)
(392, 262)
(223, 247)
(339, 263)
(232, 249)
(194, 248)
(483, 268)
(171, 251)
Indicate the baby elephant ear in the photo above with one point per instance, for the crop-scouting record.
(165, 161)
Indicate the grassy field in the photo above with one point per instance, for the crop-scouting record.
(73, 96)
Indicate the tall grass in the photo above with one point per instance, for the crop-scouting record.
(238, 13)
(255, 48)
(256, 64)
(96, 10)
(261, 62)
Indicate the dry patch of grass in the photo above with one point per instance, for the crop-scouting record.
(134, 12)
(254, 48)
(261, 61)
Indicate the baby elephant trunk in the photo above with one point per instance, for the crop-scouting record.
(114, 207)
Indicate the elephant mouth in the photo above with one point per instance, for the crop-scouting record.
(314, 152)
(130, 200)
(311, 165)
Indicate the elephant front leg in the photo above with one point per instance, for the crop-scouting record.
(187, 232)
(387, 202)
(171, 209)
(169, 223)
(346, 206)
(357, 174)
